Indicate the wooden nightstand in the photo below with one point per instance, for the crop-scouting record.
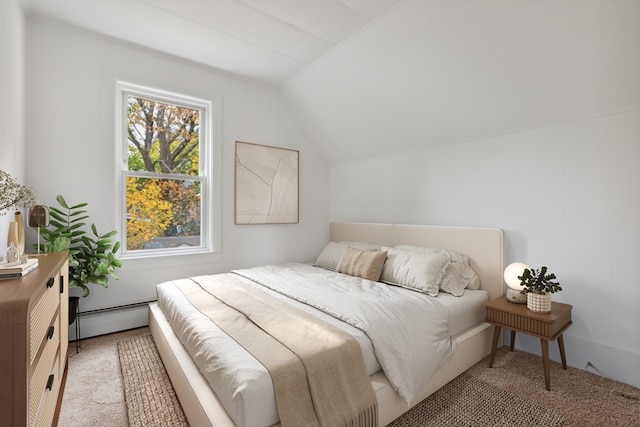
(547, 326)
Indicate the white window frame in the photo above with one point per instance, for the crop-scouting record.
(209, 138)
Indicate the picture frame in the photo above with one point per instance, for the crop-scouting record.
(266, 184)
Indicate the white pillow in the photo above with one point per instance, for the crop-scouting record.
(330, 256)
(361, 245)
(458, 275)
(420, 271)
(474, 283)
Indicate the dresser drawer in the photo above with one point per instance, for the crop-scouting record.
(42, 314)
(44, 367)
(48, 406)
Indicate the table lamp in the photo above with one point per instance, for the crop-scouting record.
(39, 217)
(514, 287)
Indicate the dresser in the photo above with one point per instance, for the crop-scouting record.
(34, 331)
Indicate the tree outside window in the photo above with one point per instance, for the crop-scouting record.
(164, 178)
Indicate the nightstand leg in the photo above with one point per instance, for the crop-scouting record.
(544, 344)
(513, 340)
(496, 337)
(562, 355)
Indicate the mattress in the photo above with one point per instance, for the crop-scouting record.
(251, 401)
(465, 311)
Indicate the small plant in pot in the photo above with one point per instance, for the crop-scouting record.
(538, 286)
(92, 257)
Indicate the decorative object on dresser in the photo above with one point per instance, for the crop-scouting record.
(514, 286)
(35, 340)
(16, 232)
(14, 195)
(12, 256)
(546, 326)
(538, 286)
(92, 257)
(20, 270)
(39, 217)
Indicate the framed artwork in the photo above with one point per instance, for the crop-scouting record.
(266, 184)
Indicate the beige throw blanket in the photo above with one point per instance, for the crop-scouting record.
(317, 370)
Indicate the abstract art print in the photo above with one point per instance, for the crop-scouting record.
(266, 184)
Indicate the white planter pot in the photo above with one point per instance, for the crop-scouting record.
(540, 303)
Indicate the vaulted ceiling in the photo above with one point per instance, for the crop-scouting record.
(266, 39)
(369, 78)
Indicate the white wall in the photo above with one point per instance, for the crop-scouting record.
(12, 87)
(71, 147)
(567, 196)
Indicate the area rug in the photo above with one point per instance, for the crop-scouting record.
(469, 401)
(465, 401)
(149, 395)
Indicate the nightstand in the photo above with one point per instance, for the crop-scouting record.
(547, 326)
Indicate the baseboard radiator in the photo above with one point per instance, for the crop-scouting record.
(115, 308)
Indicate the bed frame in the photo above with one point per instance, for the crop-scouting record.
(483, 246)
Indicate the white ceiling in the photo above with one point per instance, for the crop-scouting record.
(369, 78)
(269, 40)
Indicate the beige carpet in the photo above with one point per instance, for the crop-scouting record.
(94, 393)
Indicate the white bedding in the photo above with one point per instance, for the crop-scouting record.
(465, 311)
(379, 316)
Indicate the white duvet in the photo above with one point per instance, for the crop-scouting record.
(405, 333)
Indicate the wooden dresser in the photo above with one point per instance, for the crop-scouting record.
(34, 330)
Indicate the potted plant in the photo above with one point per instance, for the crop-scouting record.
(92, 257)
(538, 286)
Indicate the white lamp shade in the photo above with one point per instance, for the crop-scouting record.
(511, 274)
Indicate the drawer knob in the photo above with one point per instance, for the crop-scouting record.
(50, 333)
(50, 382)
(50, 282)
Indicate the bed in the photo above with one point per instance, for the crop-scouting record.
(470, 342)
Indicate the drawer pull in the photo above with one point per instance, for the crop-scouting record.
(50, 282)
(50, 382)
(50, 333)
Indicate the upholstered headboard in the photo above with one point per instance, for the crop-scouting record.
(483, 246)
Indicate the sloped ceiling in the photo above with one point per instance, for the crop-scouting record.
(270, 40)
(443, 72)
(371, 78)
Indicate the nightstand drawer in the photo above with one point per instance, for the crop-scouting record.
(527, 324)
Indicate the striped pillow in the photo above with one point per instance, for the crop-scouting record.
(365, 264)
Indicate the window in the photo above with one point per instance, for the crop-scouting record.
(165, 181)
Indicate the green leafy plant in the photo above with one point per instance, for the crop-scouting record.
(92, 258)
(538, 281)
